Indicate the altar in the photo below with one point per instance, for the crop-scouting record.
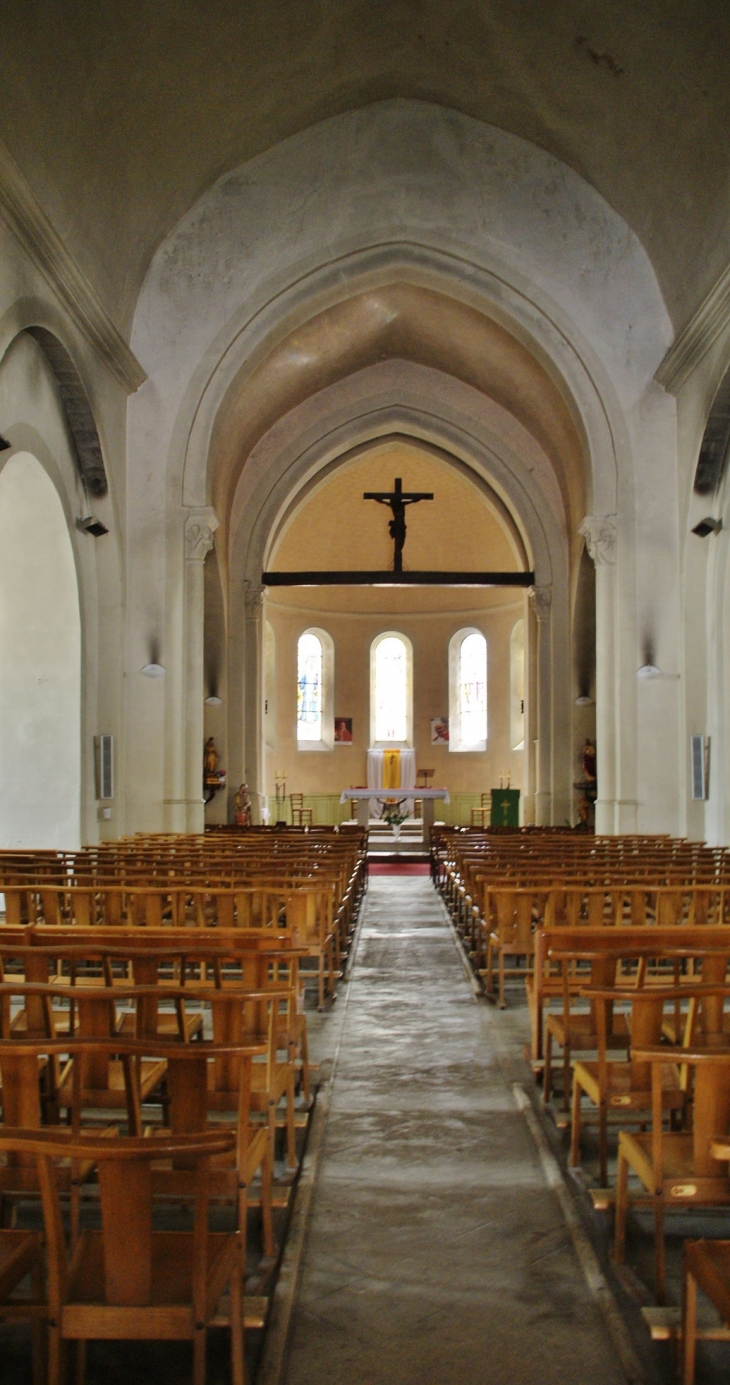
(364, 798)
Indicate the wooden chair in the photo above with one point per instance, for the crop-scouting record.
(509, 920)
(482, 816)
(678, 1168)
(300, 816)
(21, 1255)
(128, 1281)
(573, 1029)
(623, 1086)
(707, 1267)
(101, 1082)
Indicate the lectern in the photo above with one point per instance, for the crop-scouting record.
(505, 807)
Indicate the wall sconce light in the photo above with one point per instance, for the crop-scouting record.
(648, 671)
(584, 701)
(707, 526)
(153, 670)
(92, 525)
(213, 701)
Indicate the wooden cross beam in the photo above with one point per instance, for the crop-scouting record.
(398, 579)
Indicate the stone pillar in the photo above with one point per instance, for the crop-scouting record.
(541, 602)
(253, 691)
(199, 529)
(599, 532)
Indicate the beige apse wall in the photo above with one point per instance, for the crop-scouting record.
(336, 529)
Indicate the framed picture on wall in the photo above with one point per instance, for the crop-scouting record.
(439, 730)
(343, 730)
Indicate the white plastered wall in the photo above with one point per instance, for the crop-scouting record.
(404, 188)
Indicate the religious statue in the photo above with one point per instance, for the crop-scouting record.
(587, 787)
(397, 499)
(213, 777)
(242, 806)
(210, 759)
(589, 762)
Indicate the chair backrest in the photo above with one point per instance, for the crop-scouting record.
(711, 1114)
(125, 1192)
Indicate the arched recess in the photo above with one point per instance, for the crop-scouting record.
(40, 664)
(77, 409)
(505, 467)
(557, 271)
(715, 446)
(35, 422)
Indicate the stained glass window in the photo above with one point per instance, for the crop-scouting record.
(391, 690)
(309, 688)
(473, 689)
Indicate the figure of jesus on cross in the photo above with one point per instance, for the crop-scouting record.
(397, 499)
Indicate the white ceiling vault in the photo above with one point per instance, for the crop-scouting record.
(121, 115)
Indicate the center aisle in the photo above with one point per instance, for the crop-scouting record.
(435, 1251)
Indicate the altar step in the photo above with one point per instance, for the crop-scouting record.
(410, 846)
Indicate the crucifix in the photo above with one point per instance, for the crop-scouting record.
(397, 499)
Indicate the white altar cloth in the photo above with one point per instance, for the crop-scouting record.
(398, 794)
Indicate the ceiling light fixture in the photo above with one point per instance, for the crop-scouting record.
(153, 670)
(584, 701)
(648, 671)
(213, 701)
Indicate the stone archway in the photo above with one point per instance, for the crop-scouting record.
(40, 664)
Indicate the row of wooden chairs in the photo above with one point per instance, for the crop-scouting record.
(94, 1072)
(151, 1049)
(625, 955)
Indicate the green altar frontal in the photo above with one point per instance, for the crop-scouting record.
(505, 807)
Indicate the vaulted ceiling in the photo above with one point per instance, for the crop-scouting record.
(120, 113)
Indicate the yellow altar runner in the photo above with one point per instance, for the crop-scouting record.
(391, 769)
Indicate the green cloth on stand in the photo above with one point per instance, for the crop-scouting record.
(505, 807)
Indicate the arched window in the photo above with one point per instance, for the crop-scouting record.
(468, 691)
(391, 690)
(315, 668)
(517, 686)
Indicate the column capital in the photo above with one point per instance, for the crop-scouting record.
(541, 599)
(599, 532)
(200, 526)
(254, 598)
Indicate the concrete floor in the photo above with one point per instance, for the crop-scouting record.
(435, 1251)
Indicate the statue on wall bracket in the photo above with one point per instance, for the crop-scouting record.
(213, 777)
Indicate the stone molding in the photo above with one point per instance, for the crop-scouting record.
(711, 319)
(21, 210)
(541, 600)
(200, 526)
(599, 532)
